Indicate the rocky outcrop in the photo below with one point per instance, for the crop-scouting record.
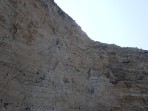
(47, 63)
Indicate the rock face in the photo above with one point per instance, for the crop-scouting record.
(47, 63)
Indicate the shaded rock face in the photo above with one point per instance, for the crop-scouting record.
(47, 63)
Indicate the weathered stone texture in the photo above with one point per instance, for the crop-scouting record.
(47, 63)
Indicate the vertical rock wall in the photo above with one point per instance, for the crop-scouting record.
(47, 63)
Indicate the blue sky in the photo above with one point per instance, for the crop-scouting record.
(121, 22)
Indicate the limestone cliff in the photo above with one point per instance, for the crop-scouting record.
(47, 63)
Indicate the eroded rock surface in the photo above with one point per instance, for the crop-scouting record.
(47, 63)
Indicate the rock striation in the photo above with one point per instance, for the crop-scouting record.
(47, 63)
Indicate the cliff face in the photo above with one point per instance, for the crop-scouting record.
(47, 63)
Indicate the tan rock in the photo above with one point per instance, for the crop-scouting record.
(47, 63)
